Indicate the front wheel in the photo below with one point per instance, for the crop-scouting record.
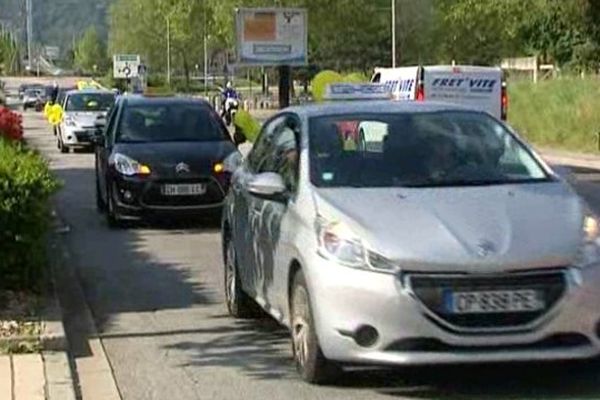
(112, 215)
(239, 304)
(100, 204)
(310, 362)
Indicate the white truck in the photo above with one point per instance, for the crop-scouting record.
(480, 88)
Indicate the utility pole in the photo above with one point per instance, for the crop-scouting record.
(29, 14)
(393, 33)
(205, 55)
(169, 50)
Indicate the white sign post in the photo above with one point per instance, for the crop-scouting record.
(126, 66)
(272, 36)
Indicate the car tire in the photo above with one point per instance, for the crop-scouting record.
(310, 362)
(239, 304)
(61, 145)
(100, 204)
(112, 216)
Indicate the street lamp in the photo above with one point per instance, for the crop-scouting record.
(393, 33)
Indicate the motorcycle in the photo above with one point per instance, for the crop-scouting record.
(231, 107)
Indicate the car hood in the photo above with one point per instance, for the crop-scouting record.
(85, 119)
(472, 229)
(163, 157)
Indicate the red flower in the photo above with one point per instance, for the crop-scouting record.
(11, 124)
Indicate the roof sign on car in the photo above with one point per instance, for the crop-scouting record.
(357, 91)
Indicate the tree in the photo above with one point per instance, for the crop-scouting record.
(9, 53)
(90, 52)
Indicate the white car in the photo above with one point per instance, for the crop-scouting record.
(82, 108)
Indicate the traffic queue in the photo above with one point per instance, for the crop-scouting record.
(400, 222)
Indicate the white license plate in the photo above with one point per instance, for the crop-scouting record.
(494, 301)
(184, 190)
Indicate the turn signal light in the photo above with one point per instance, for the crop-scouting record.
(218, 168)
(144, 170)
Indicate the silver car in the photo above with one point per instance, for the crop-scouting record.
(82, 108)
(447, 241)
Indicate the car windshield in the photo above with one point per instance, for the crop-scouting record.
(450, 148)
(170, 122)
(90, 102)
(33, 92)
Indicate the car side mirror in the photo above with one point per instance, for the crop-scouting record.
(268, 185)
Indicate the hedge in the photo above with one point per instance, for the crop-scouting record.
(26, 185)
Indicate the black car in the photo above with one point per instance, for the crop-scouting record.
(161, 156)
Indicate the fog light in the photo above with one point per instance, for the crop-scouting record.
(69, 137)
(366, 336)
(127, 196)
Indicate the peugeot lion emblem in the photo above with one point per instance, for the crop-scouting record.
(182, 168)
(485, 248)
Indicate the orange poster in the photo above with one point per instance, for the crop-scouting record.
(260, 27)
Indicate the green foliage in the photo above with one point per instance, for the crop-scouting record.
(247, 124)
(356, 77)
(322, 80)
(559, 113)
(9, 53)
(26, 185)
(90, 52)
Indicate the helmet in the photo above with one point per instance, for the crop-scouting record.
(55, 84)
(229, 85)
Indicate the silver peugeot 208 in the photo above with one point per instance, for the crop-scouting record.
(403, 233)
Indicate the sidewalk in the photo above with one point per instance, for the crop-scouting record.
(43, 376)
(570, 159)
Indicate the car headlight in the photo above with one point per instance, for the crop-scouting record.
(338, 243)
(128, 166)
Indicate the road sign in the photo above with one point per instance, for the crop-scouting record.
(126, 66)
(272, 36)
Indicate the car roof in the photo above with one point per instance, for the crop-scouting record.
(88, 91)
(140, 99)
(373, 107)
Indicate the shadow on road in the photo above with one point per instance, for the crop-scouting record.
(119, 269)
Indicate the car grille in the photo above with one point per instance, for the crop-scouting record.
(429, 289)
(214, 194)
(84, 136)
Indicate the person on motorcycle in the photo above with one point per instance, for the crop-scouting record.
(228, 93)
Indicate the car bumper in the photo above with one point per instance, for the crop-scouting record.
(77, 137)
(136, 198)
(344, 300)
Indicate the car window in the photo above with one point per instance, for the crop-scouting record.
(417, 149)
(262, 146)
(90, 102)
(168, 122)
(110, 123)
(282, 155)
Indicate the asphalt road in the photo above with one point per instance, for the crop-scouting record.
(157, 300)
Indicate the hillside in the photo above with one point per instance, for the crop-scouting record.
(56, 22)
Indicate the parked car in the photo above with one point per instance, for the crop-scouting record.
(81, 109)
(25, 86)
(33, 98)
(447, 241)
(161, 156)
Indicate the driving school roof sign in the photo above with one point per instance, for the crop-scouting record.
(126, 66)
(272, 36)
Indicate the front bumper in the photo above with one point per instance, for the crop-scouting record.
(138, 198)
(344, 300)
(77, 137)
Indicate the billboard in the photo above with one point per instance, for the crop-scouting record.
(272, 36)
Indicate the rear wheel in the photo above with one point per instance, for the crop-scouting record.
(311, 364)
(61, 145)
(239, 304)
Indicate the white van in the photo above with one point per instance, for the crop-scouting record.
(481, 88)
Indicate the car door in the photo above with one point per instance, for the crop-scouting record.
(103, 151)
(283, 159)
(244, 221)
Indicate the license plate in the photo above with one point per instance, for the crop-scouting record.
(493, 301)
(184, 190)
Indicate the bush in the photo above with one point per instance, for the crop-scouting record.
(560, 113)
(11, 124)
(322, 80)
(25, 187)
(247, 124)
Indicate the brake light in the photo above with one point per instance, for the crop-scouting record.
(504, 102)
(420, 92)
